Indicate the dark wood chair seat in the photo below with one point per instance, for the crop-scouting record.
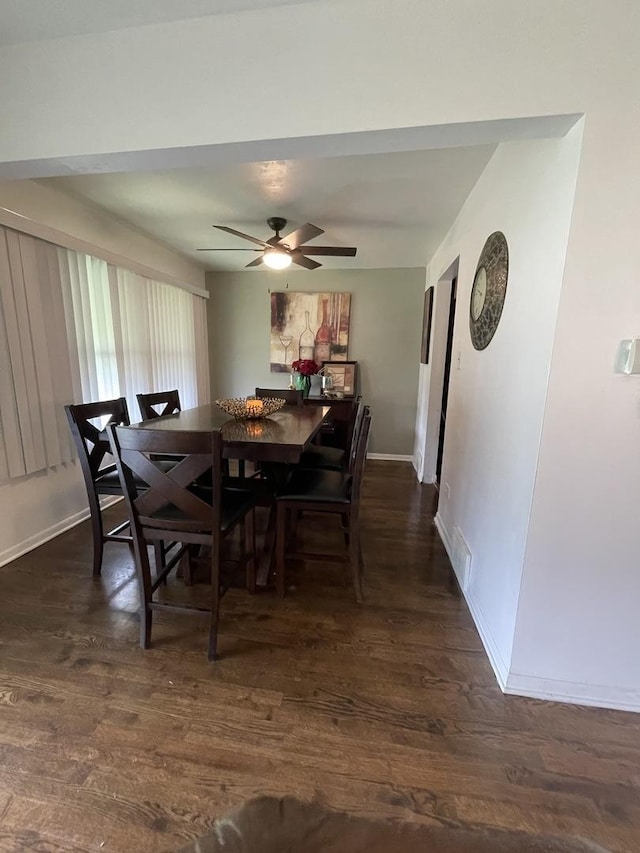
(309, 484)
(334, 492)
(177, 507)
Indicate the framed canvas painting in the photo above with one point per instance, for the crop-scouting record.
(308, 326)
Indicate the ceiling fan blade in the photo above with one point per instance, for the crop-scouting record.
(240, 234)
(336, 251)
(301, 235)
(229, 250)
(255, 263)
(308, 263)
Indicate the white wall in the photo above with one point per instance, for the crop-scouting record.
(497, 395)
(38, 507)
(578, 631)
(394, 64)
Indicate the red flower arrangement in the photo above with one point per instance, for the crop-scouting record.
(306, 366)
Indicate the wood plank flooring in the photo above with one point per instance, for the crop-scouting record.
(388, 710)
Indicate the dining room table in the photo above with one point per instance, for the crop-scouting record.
(276, 440)
(280, 437)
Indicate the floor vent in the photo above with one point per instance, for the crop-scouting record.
(461, 558)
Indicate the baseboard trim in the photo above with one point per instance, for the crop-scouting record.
(574, 693)
(498, 665)
(49, 533)
(496, 660)
(444, 536)
(391, 457)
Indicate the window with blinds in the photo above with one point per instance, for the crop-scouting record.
(74, 328)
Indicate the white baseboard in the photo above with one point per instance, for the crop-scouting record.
(43, 536)
(444, 535)
(498, 664)
(593, 695)
(391, 457)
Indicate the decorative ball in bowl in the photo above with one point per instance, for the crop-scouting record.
(250, 407)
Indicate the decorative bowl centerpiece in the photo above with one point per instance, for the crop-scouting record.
(250, 407)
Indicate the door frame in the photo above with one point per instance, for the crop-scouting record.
(432, 380)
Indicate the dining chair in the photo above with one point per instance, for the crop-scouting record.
(319, 490)
(336, 458)
(88, 428)
(290, 395)
(169, 400)
(175, 508)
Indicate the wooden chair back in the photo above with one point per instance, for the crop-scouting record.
(169, 401)
(91, 439)
(359, 458)
(169, 503)
(292, 396)
(88, 428)
(352, 447)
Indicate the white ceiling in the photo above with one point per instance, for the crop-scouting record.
(395, 208)
(35, 20)
(393, 195)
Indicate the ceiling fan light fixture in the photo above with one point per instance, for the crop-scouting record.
(277, 259)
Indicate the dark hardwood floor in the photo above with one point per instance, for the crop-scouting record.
(388, 710)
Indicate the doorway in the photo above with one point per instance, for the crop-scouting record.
(446, 375)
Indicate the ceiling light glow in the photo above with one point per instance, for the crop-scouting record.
(277, 259)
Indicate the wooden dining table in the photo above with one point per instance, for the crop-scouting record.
(280, 437)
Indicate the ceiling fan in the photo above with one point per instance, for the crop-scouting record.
(279, 252)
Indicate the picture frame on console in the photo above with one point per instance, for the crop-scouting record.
(344, 375)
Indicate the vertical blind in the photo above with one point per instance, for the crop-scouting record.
(74, 328)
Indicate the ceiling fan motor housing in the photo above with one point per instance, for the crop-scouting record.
(277, 224)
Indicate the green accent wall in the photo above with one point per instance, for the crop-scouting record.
(385, 331)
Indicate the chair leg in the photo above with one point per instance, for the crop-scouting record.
(159, 558)
(355, 559)
(215, 598)
(143, 572)
(250, 549)
(98, 534)
(185, 567)
(281, 536)
(345, 527)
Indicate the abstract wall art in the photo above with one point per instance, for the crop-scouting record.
(308, 325)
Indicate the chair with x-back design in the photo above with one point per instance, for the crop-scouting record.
(88, 423)
(158, 404)
(175, 507)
